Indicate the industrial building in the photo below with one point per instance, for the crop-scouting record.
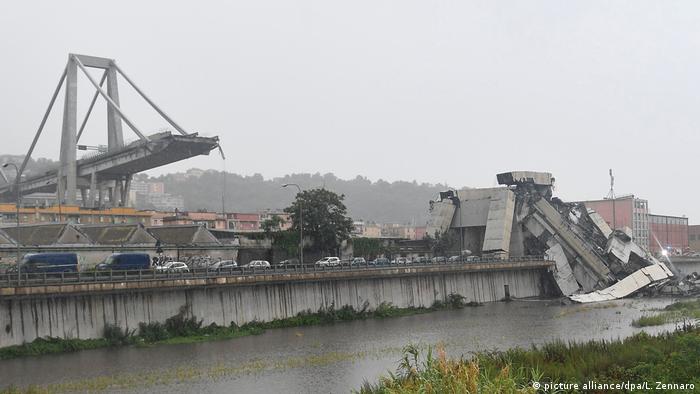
(694, 237)
(651, 231)
(669, 233)
(625, 211)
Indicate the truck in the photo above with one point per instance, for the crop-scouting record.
(49, 262)
(126, 261)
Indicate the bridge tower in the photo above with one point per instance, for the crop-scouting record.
(105, 179)
(67, 182)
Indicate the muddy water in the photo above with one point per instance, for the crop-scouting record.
(324, 359)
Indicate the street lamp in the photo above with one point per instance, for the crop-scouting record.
(58, 199)
(301, 227)
(18, 196)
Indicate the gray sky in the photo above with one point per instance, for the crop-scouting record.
(436, 91)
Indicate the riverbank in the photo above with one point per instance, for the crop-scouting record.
(333, 358)
(678, 312)
(180, 329)
(669, 361)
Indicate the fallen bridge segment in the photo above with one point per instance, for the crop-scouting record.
(592, 261)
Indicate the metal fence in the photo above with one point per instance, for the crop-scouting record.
(110, 276)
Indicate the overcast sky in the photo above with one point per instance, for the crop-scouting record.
(433, 91)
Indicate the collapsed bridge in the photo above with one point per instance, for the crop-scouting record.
(593, 261)
(106, 176)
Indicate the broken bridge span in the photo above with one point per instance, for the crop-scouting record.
(106, 176)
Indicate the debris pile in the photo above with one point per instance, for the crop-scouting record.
(592, 261)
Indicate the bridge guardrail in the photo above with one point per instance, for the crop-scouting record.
(109, 276)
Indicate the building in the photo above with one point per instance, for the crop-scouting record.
(387, 230)
(269, 214)
(358, 228)
(648, 230)
(668, 232)
(629, 211)
(694, 237)
(243, 222)
(394, 230)
(210, 220)
(147, 187)
(152, 195)
(234, 221)
(73, 214)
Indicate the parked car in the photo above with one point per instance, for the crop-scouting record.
(49, 262)
(173, 266)
(328, 262)
(126, 261)
(288, 263)
(438, 259)
(399, 260)
(381, 261)
(223, 264)
(258, 264)
(420, 260)
(454, 259)
(358, 261)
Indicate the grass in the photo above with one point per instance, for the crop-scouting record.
(678, 312)
(670, 358)
(182, 328)
(51, 345)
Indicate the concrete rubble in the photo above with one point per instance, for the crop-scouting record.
(522, 218)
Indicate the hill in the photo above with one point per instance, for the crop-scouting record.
(380, 201)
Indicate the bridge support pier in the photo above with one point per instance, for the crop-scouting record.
(93, 190)
(69, 135)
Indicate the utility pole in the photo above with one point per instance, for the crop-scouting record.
(223, 188)
(301, 227)
(611, 195)
(18, 197)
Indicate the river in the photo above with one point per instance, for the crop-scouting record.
(325, 359)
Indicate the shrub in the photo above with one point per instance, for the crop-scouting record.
(385, 309)
(153, 332)
(180, 326)
(455, 300)
(116, 336)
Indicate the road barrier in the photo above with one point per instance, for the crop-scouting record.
(109, 276)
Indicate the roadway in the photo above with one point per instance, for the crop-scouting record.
(274, 273)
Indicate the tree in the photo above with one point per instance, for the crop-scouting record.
(271, 224)
(325, 219)
(442, 243)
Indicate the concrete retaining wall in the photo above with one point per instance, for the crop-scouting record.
(25, 318)
(687, 266)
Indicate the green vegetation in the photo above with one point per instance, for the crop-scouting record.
(51, 345)
(325, 218)
(381, 201)
(287, 240)
(669, 358)
(678, 312)
(443, 244)
(370, 248)
(272, 224)
(180, 328)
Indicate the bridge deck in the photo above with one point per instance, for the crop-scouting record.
(133, 158)
(128, 281)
